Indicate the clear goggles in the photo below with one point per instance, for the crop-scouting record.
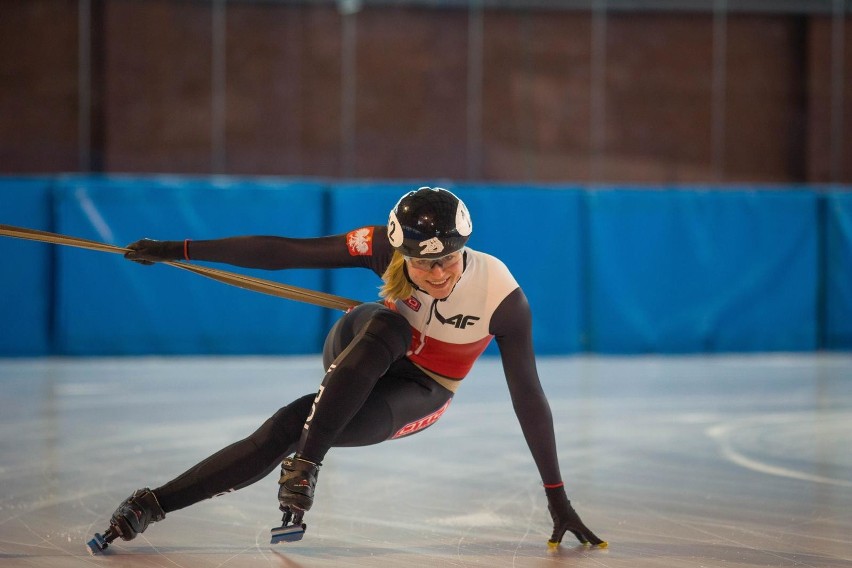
(444, 262)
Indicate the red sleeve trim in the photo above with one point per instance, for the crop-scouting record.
(554, 485)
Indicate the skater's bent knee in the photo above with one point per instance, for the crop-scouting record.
(286, 424)
(392, 329)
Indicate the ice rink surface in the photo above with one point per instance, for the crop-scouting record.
(687, 462)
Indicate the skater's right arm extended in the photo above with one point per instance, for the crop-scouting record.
(264, 252)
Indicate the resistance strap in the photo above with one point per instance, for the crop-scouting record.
(238, 280)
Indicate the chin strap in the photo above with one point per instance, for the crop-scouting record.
(410, 281)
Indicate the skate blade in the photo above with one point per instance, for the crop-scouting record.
(97, 544)
(287, 533)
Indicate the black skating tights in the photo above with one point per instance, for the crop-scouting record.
(370, 393)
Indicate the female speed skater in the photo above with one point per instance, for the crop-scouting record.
(392, 366)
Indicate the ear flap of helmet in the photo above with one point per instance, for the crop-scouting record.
(464, 225)
(394, 230)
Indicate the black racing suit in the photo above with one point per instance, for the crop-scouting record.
(372, 390)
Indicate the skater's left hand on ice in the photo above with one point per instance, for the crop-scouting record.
(565, 518)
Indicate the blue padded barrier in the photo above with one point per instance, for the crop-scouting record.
(26, 285)
(538, 232)
(838, 267)
(702, 271)
(107, 305)
(548, 269)
(615, 270)
(354, 205)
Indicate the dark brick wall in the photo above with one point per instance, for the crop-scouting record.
(821, 120)
(411, 95)
(387, 93)
(283, 90)
(157, 87)
(38, 86)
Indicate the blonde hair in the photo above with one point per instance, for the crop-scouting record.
(396, 286)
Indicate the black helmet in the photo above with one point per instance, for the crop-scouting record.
(429, 223)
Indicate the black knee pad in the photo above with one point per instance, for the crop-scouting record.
(286, 424)
(392, 329)
(378, 321)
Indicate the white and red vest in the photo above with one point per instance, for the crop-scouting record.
(450, 334)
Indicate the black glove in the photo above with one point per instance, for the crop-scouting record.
(565, 518)
(148, 251)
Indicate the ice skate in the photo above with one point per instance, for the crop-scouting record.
(130, 518)
(295, 496)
